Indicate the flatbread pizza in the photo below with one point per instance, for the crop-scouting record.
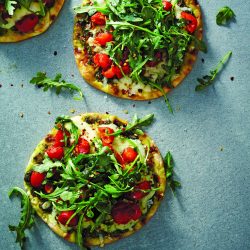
(23, 19)
(95, 178)
(137, 49)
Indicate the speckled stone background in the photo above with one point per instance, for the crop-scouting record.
(208, 135)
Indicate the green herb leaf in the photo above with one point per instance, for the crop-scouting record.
(41, 80)
(224, 15)
(169, 167)
(136, 123)
(47, 165)
(208, 80)
(27, 215)
(10, 6)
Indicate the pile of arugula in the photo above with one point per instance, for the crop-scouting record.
(145, 28)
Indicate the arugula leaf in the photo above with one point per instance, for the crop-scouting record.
(27, 215)
(10, 6)
(208, 80)
(169, 166)
(136, 124)
(224, 15)
(41, 80)
(47, 165)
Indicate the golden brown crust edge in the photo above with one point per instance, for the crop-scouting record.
(158, 169)
(88, 71)
(42, 26)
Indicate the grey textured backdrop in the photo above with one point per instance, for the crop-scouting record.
(209, 136)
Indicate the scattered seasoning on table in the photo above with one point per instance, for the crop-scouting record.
(221, 149)
(107, 113)
(1, 85)
(72, 75)
(49, 113)
(232, 78)
(202, 60)
(11, 85)
(149, 102)
(21, 114)
(133, 105)
(55, 53)
(125, 111)
(72, 111)
(21, 85)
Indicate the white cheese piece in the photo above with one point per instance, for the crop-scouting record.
(112, 125)
(179, 9)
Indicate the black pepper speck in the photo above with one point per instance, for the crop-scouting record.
(55, 53)
(232, 78)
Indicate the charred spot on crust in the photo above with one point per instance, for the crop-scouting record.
(91, 120)
(153, 149)
(107, 121)
(38, 158)
(118, 123)
(49, 138)
(27, 176)
(52, 17)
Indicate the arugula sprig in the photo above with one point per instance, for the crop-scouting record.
(208, 80)
(224, 15)
(169, 167)
(27, 215)
(136, 124)
(42, 81)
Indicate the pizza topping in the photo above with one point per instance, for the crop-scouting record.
(103, 38)
(55, 152)
(102, 60)
(49, 3)
(192, 22)
(59, 139)
(105, 135)
(110, 73)
(27, 23)
(98, 19)
(129, 155)
(167, 5)
(93, 189)
(66, 218)
(82, 147)
(48, 188)
(122, 212)
(36, 179)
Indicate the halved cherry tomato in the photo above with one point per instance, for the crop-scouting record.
(129, 155)
(119, 158)
(65, 216)
(104, 134)
(158, 58)
(36, 179)
(27, 23)
(102, 60)
(167, 5)
(122, 212)
(98, 18)
(103, 38)
(125, 68)
(138, 194)
(82, 147)
(192, 22)
(48, 188)
(55, 152)
(59, 139)
(110, 73)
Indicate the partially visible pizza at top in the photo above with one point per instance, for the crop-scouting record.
(137, 49)
(23, 19)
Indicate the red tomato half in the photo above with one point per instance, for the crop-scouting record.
(192, 22)
(27, 23)
(98, 18)
(129, 155)
(55, 152)
(104, 38)
(104, 134)
(36, 179)
(167, 5)
(82, 147)
(65, 216)
(102, 60)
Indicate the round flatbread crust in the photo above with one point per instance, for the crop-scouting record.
(42, 26)
(159, 171)
(88, 71)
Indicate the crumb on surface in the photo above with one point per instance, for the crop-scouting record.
(232, 78)
(21, 114)
(133, 105)
(125, 111)
(221, 148)
(49, 113)
(55, 53)
(72, 111)
(202, 60)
